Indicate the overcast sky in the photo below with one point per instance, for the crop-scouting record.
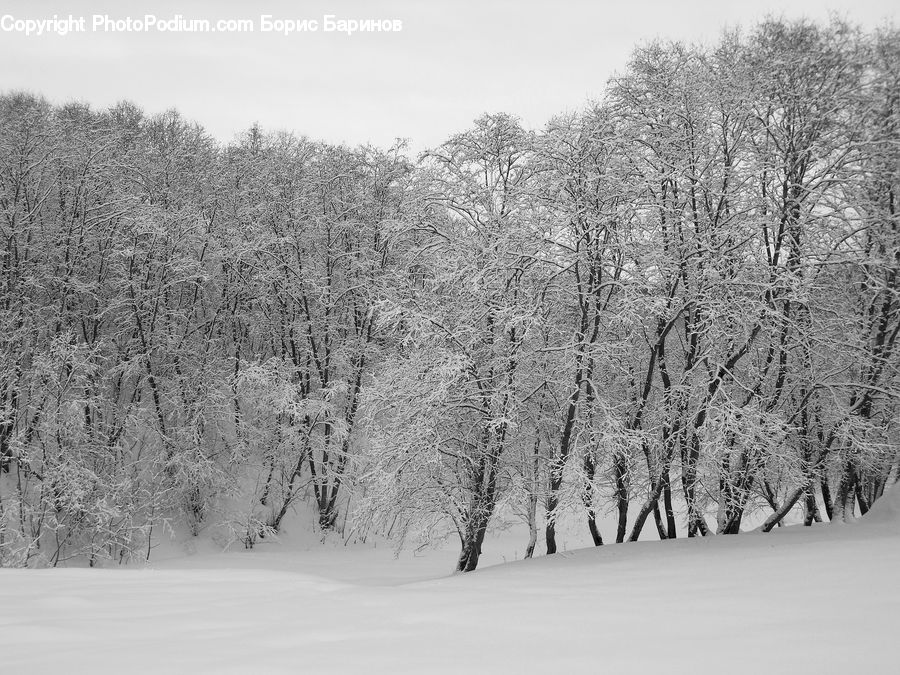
(451, 62)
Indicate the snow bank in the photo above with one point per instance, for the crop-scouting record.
(741, 604)
(886, 510)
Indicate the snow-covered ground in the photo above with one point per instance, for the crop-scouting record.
(800, 600)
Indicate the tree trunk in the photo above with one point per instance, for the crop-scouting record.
(471, 544)
(689, 457)
(671, 531)
(533, 498)
(826, 497)
(550, 531)
(532, 539)
(621, 482)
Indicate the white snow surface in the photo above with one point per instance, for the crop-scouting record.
(819, 600)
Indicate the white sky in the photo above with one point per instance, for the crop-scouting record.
(452, 61)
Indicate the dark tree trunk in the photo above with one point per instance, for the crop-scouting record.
(826, 497)
(810, 508)
(481, 508)
(621, 482)
(657, 519)
(588, 499)
(595, 532)
(864, 503)
(550, 531)
(784, 509)
(689, 458)
(671, 531)
(471, 544)
(327, 517)
(533, 498)
(532, 542)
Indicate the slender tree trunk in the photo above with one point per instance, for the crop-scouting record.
(533, 497)
(587, 498)
(620, 473)
(826, 497)
(689, 456)
(550, 530)
(784, 509)
(671, 530)
(532, 537)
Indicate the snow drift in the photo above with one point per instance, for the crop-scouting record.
(745, 604)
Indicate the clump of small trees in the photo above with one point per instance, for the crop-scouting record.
(681, 305)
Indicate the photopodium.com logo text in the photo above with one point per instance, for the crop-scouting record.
(150, 23)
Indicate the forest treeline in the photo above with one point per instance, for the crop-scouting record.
(680, 305)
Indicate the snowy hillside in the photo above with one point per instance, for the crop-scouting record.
(822, 599)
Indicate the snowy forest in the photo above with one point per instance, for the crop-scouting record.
(679, 305)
